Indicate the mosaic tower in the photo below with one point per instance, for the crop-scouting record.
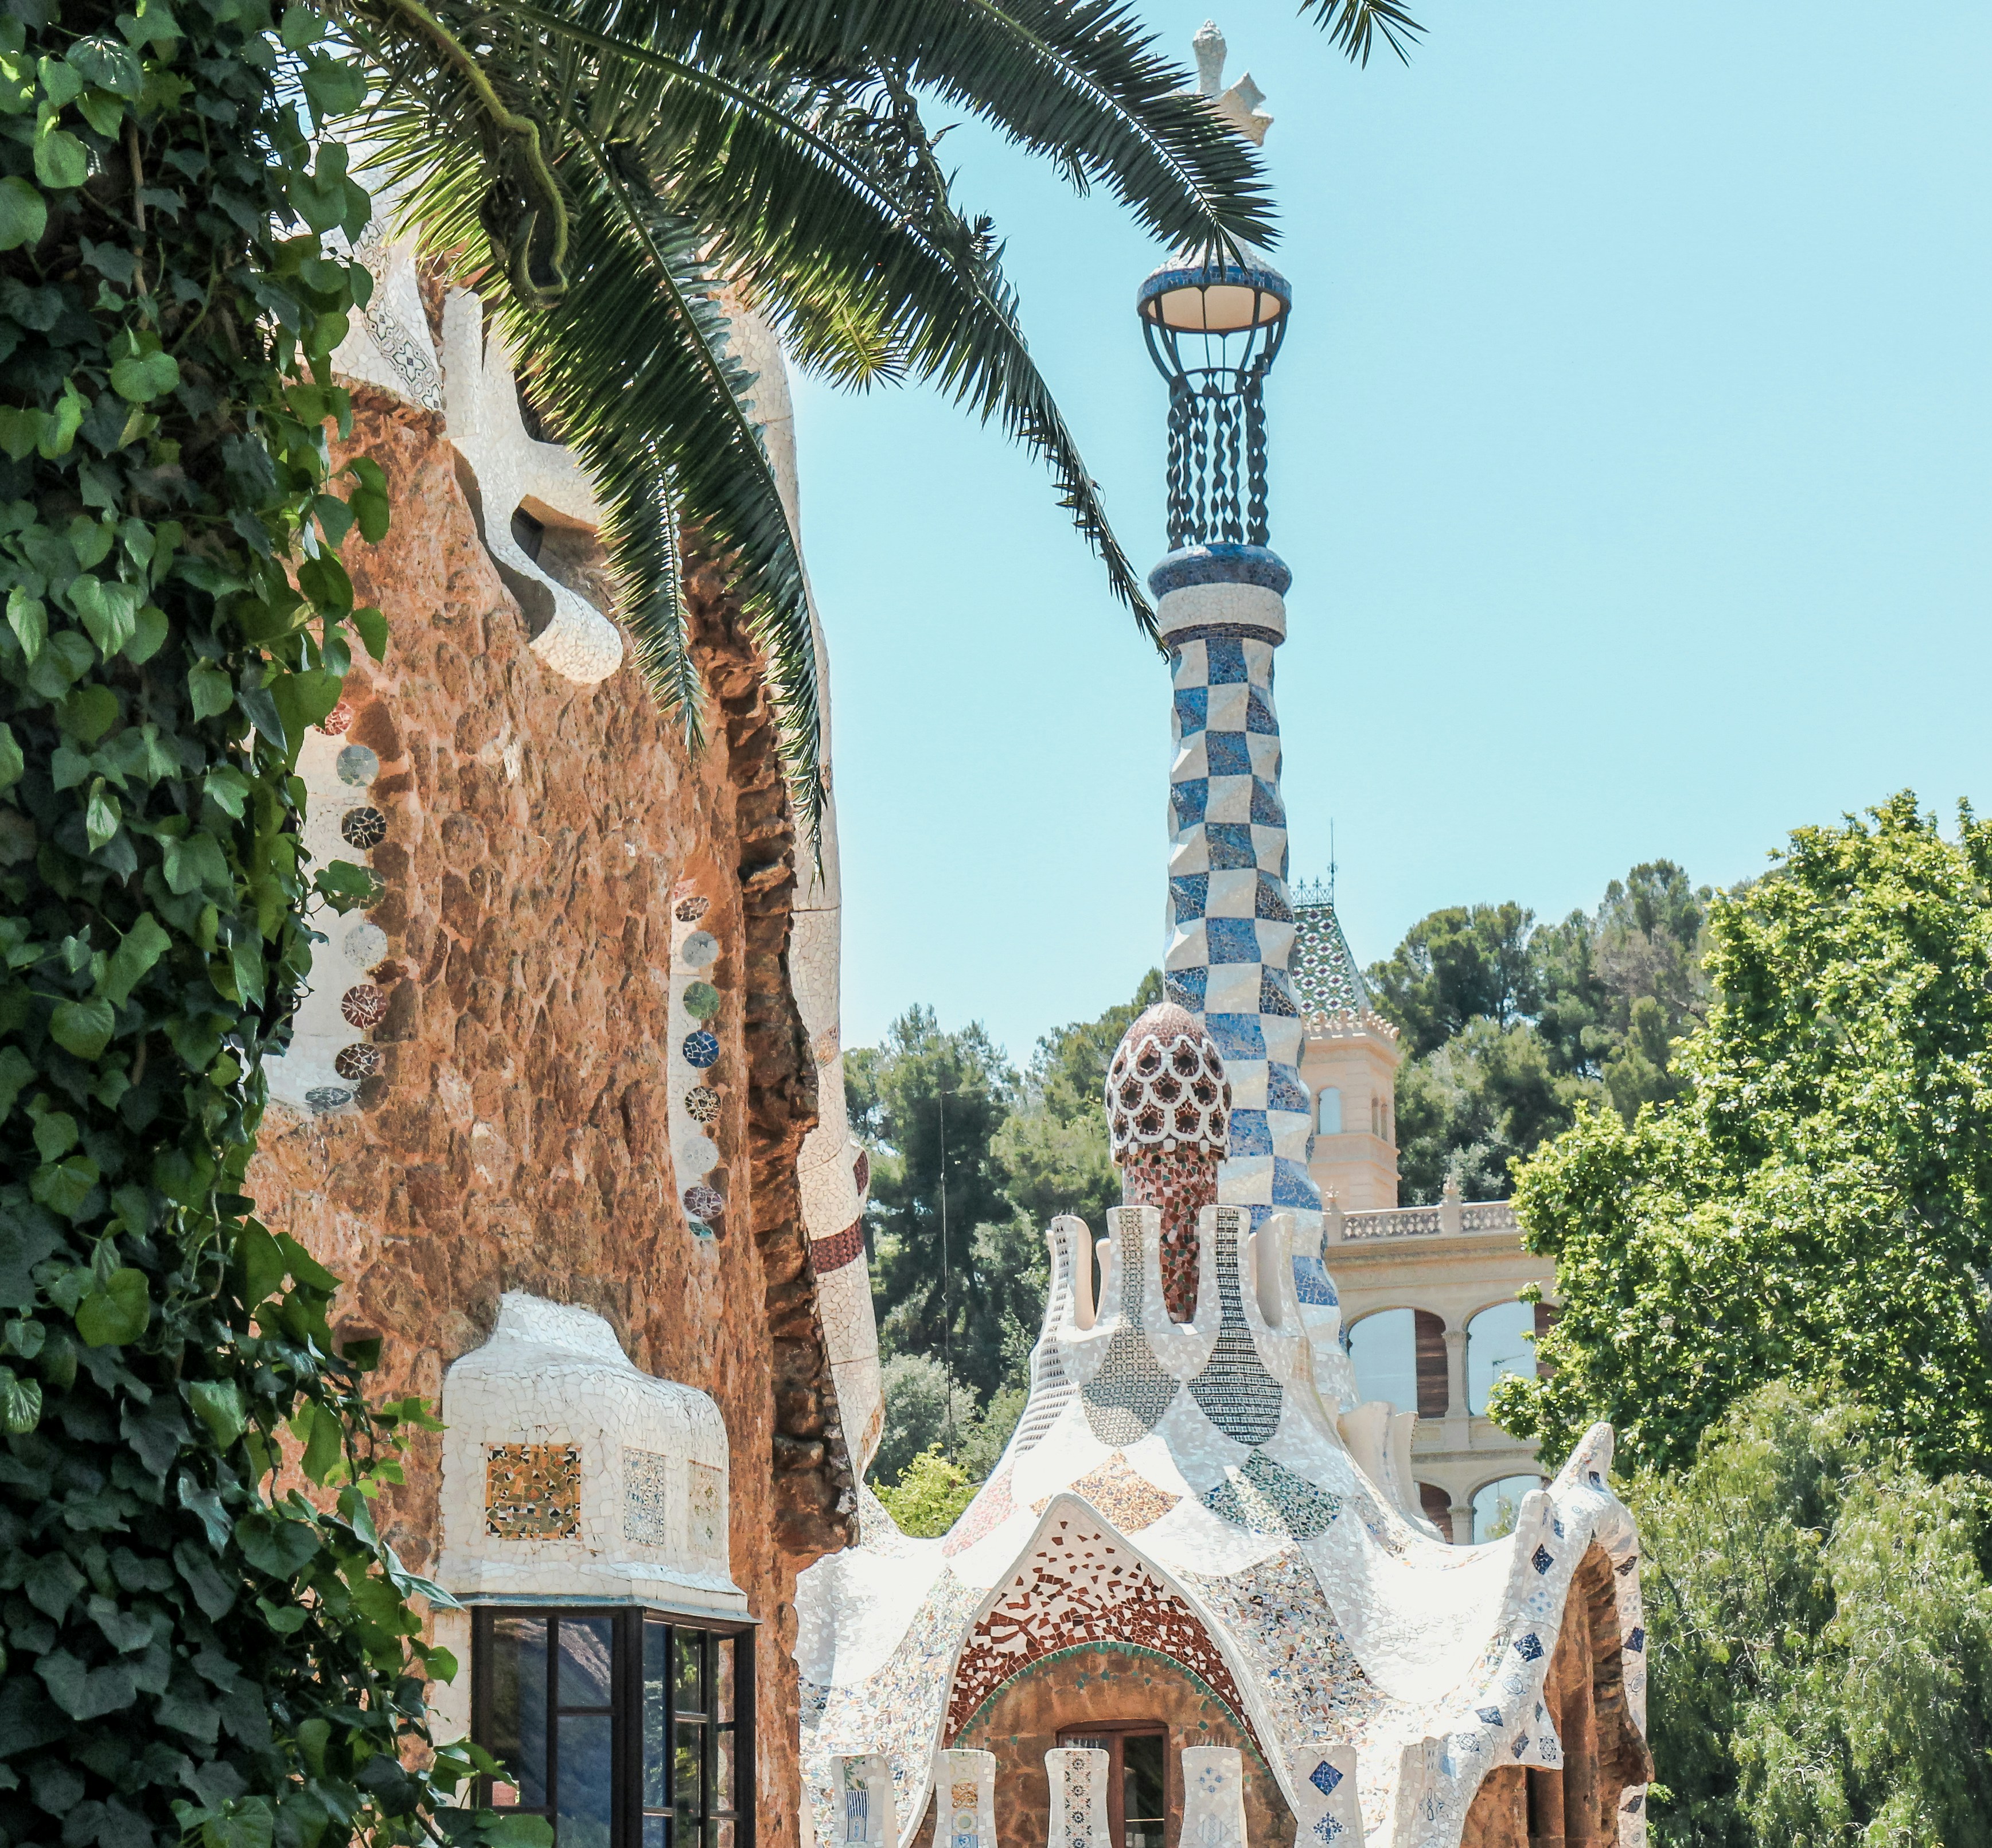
(1213, 329)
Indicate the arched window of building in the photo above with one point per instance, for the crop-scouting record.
(1328, 1108)
(1436, 1505)
(1498, 1342)
(1400, 1354)
(1497, 1506)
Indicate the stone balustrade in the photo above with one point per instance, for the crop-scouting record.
(1452, 1218)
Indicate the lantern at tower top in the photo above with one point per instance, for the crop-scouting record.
(1214, 319)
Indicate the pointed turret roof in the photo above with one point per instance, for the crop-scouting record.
(1326, 977)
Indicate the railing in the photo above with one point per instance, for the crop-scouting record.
(1451, 1217)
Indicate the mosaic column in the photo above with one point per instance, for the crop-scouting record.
(1213, 1787)
(861, 1791)
(965, 1799)
(1324, 1784)
(1077, 1774)
(1222, 612)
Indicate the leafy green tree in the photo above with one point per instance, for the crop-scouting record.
(1813, 1206)
(925, 1089)
(1473, 1108)
(1819, 1633)
(916, 1413)
(930, 1496)
(1466, 963)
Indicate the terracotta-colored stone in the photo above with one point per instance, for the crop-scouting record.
(517, 1138)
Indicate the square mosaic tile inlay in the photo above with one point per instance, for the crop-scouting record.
(706, 1500)
(645, 1498)
(532, 1491)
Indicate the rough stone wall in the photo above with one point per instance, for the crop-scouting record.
(1577, 1805)
(515, 1138)
(1092, 1686)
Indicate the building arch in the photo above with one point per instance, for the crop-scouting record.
(1404, 1362)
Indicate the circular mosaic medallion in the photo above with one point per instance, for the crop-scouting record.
(365, 945)
(357, 1061)
(702, 1105)
(357, 766)
(701, 1050)
(336, 720)
(826, 1046)
(691, 910)
(363, 827)
(327, 1096)
(696, 1155)
(701, 1001)
(700, 948)
(363, 1006)
(703, 1203)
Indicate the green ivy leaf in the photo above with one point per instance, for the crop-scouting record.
(323, 1437)
(110, 612)
(20, 1402)
(275, 1545)
(193, 864)
(108, 65)
(16, 1069)
(213, 692)
(149, 629)
(55, 1135)
(102, 817)
(218, 1405)
(372, 626)
(138, 378)
(12, 764)
(63, 1186)
(60, 160)
(24, 216)
(88, 713)
(262, 1265)
(83, 1028)
(103, 112)
(118, 1313)
(129, 963)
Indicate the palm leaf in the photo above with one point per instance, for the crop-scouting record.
(1352, 25)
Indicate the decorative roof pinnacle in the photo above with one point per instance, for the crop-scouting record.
(1240, 105)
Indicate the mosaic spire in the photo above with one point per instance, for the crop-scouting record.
(1326, 977)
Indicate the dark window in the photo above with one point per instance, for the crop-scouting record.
(1137, 1778)
(624, 1729)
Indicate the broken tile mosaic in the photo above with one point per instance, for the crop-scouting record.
(532, 1491)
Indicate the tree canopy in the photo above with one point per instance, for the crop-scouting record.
(1509, 1026)
(1819, 1636)
(1813, 1205)
(1021, 1149)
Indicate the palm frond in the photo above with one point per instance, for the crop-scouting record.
(1352, 27)
(1075, 80)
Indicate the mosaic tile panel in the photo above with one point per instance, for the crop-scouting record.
(965, 1799)
(1180, 1185)
(646, 1497)
(532, 1491)
(1079, 1588)
(1213, 1788)
(1077, 1775)
(1269, 1498)
(1125, 1399)
(839, 1248)
(1235, 1391)
(990, 1509)
(705, 1510)
(1127, 1498)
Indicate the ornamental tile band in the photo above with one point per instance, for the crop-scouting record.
(532, 1491)
(646, 1497)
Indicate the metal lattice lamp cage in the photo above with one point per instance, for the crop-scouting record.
(1213, 329)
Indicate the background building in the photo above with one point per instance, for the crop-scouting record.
(1429, 1293)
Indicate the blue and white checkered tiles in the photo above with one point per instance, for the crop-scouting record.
(1231, 920)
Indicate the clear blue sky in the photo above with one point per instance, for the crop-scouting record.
(1632, 448)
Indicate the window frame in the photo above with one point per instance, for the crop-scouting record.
(627, 1810)
(1116, 1733)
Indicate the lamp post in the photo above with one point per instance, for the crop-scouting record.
(1214, 323)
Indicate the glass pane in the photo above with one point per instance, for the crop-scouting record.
(518, 1722)
(687, 1795)
(690, 1657)
(585, 1784)
(1145, 1803)
(722, 1771)
(657, 1640)
(1330, 1102)
(722, 1674)
(586, 1657)
(1498, 1341)
(1383, 1349)
(653, 1831)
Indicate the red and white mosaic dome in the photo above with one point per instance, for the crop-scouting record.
(1166, 1088)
